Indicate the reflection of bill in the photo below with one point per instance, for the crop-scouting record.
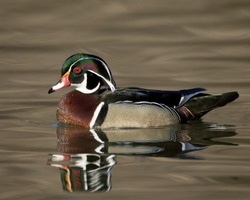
(89, 172)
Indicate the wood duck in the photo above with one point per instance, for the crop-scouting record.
(97, 103)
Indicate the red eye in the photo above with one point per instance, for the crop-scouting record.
(77, 70)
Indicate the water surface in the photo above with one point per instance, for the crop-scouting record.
(154, 44)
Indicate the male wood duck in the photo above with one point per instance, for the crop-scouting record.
(97, 103)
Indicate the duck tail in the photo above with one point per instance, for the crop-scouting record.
(199, 105)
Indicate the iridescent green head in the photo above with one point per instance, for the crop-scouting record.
(86, 72)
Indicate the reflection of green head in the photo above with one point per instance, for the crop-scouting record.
(91, 174)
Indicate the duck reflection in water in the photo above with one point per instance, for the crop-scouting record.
(88, 155)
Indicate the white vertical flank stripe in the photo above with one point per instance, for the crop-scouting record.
(96, 113)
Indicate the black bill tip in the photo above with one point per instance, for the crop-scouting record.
(51, 90)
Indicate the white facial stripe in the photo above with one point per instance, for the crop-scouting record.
(75, 63)
(82, 87)
(96, 113)
(106, 67)
(112, 87)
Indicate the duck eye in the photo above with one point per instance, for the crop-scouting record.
(77, 70)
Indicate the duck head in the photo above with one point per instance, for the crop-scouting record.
(86, 72)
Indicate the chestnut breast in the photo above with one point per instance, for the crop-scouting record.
(77, 108)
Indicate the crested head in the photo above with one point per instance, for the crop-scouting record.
(86, 72)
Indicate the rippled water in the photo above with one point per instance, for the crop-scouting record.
(152, 44)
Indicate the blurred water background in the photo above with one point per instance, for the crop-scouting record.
(159, 44)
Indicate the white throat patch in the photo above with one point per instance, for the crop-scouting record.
(82, 87)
